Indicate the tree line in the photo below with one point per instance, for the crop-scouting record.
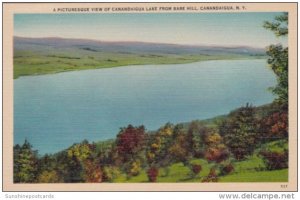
(235, 138)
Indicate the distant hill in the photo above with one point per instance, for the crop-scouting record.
(36, 56)
(21, 43)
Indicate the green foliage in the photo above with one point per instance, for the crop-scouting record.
(80, 151)
(195, 134)
(279, 26)
(135, 168)
(158, 146)
(48, 177)
(253, 163)
(25, 163)
(240, 132)
(212, 176)
(78, 163)
(278, 57)
(110, 173)
(278, 61)
(178, 150)
(276, 146)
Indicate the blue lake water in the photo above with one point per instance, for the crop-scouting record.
(55, 111)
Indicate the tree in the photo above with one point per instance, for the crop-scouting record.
(130, 141)
(80, 167)
(274, 126)
(46, 163)
(25, 163)
(278, 57)
(110, 172)
(159, 143)
(279, 26)
(195, 134)
(17, 164)
(179, 149)
(92, 172)
(240, 132)
(81, 151)
(48, 177)
(215, 149)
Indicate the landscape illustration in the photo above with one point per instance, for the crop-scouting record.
(150, 97)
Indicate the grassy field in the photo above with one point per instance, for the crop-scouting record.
(245, 171)
(37, 63)
(263, 176)
(252, 169)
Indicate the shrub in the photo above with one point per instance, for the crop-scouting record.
(227, 169)
(135, 168)
(110, 173)
(217, 154)
(152, 174)
(196, 168)
(48, 177)
(275, 126)
(275, 160)
(211, 177)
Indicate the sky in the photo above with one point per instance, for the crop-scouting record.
(221, 29)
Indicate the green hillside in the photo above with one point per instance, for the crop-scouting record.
(47, 56)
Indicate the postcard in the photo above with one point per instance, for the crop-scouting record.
(150, 97)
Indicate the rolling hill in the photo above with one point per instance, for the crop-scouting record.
(35, 56)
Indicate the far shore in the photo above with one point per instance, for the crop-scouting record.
(45, 68)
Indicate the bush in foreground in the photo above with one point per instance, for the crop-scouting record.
(275, 160)
(152, 174)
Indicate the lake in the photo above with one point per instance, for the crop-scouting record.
(54, 111)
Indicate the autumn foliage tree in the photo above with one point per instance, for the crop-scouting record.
(158, 146)
(92, 171)
(130, 141)
(83, 167)
(179, 150)
(274, 126)
(215, 148)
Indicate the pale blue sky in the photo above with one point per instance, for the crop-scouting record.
(230, 29)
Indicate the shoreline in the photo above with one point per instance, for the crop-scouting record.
(116, 66)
